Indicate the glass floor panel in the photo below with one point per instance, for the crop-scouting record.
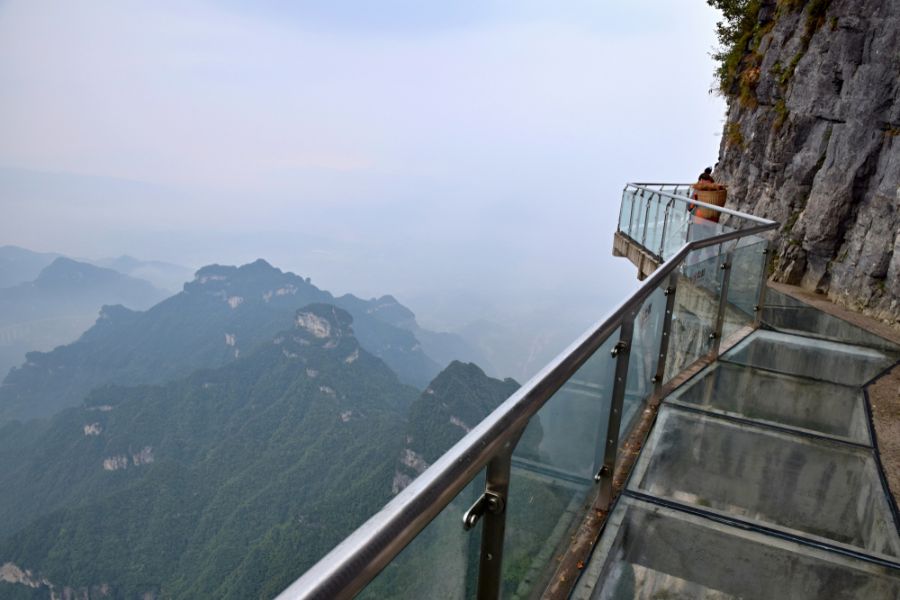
(648, 551)
(785, 313)
(796, 402)
(806, 486)
(809, 357)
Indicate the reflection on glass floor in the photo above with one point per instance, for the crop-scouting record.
(809, 357)
(804, 486)
(651, 551)
(758, 480)
(787, 314)
(816, 406)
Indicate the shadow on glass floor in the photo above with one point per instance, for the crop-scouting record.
(805, 486)
(796, 402)
(649, 551)
(810, 357)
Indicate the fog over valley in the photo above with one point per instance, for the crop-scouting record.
(262, 264)
(465, 159)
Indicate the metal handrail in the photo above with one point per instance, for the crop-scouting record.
(670, 184)
(721, 209)
(353, 563)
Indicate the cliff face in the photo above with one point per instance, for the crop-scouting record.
(812, 139)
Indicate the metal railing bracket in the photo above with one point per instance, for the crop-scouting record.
(488, 502)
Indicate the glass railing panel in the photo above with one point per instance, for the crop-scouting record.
(655, 217)
(702, 227)
(552, 473)
(649, 551)
(748, 261)
(698, 284)
(441, 562)
(639, 215)
(817, 488)
(677, 226)
(811, 357)
(643, 358)
(625, 210)
(796, 402)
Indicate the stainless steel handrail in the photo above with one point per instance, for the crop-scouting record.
(351, 565)
(721, 209)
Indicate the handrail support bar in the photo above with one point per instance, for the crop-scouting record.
(723, 301)
(666, 332)
(764, 277)
(620, 353)
(490, 564)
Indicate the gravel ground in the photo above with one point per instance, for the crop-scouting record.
(884, 396)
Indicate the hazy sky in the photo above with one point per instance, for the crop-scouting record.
(407, 147)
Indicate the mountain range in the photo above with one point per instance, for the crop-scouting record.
(223, 312)
(228, 482)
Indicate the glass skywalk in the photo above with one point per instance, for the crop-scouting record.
(759, 480)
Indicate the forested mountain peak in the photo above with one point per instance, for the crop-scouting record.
(259, 280)
(65, 273)
(453, 403)
(386, 308)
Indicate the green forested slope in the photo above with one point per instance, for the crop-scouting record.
(228, 483)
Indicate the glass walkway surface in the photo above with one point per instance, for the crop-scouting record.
(710, 438)
(758, 480)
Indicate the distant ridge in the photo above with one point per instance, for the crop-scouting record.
(61, 303)
(224, 312)
(18, 265)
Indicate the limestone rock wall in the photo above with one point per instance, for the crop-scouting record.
(812, 139)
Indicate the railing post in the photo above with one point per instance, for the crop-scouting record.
(620, 353)
(761, 302)
(496, 492)
(664, 338)
(723, 301)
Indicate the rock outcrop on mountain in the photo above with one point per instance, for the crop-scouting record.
(812, 139)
